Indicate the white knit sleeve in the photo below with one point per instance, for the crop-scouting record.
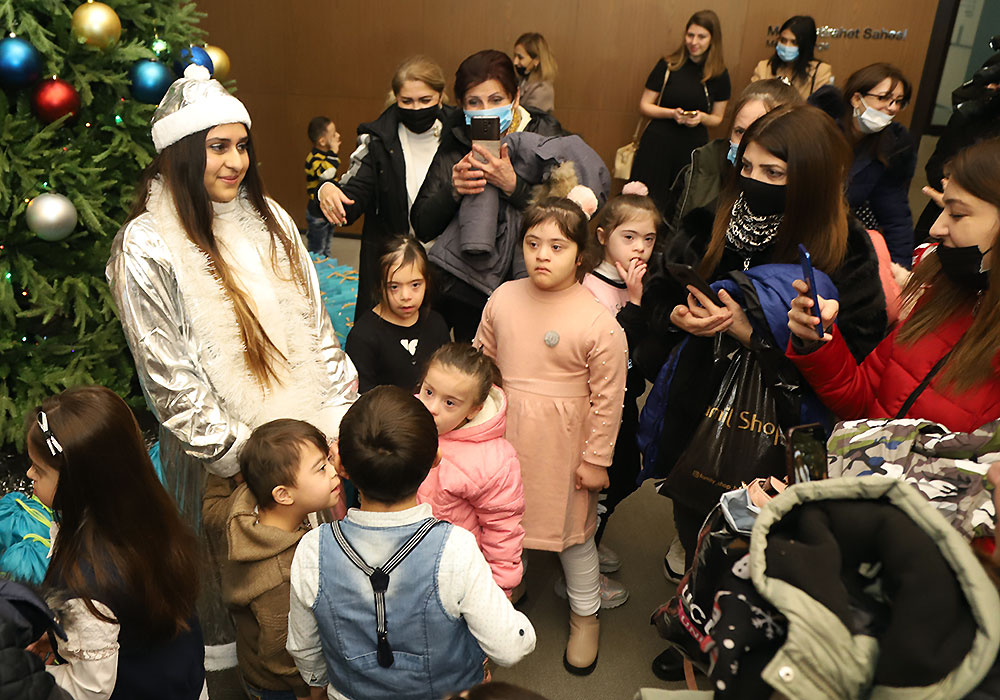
(468, 590)
(90, 651)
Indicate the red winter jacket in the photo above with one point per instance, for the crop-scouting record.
(478, 487)
(880, 385)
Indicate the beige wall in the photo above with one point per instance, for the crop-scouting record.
(295, 59)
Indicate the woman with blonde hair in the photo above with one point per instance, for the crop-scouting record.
(388, 167)
(685, 93)
(536, 70)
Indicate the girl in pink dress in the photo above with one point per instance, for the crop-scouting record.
(563, 359)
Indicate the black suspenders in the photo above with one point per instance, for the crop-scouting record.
(379, 578)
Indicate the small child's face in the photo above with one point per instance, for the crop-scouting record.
(44, 479)
(450, 397)
(405, 291)
(550, 257)
(632, 240)
(332, 137)
(317, 485)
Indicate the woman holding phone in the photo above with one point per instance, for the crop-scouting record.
(388, 167)
(485, 85)
(684, 94)
(942, 363)
(787, 189)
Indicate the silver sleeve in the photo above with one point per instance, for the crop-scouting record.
(177, 390)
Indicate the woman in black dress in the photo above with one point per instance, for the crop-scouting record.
(681, 104)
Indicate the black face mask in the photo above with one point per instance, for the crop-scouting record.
(762, 198)
(522, 72)
(963, 266)
(418, 120)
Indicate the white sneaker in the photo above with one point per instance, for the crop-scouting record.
(609, 560)
(673, 562)
(613, 593)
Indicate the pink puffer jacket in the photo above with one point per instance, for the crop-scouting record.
(477, 486)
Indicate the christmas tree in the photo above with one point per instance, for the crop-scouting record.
(71, 150)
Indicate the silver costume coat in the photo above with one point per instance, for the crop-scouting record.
(183, 333)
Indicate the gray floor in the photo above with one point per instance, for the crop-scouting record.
(639, 532)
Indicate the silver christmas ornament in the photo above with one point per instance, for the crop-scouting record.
(51, 216)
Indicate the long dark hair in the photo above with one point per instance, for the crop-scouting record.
(804, 29)
(977, 171)
(121, 537)
(818, 159)
(182, 167)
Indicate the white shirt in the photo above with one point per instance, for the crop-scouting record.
(465, 584)
(418, 152)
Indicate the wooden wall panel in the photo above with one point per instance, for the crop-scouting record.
(299, 58)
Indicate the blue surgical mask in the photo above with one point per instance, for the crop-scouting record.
(731, 156)
(787, 53)
(505, 112)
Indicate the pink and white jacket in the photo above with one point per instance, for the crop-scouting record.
(477, 486)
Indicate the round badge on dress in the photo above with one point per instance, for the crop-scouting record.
(551, 339)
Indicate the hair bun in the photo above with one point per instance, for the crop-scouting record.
(636, 187)
(585, 198)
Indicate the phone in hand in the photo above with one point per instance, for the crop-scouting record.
(688, 112)
(687, 275)
(805, 453)
(805, 260)
(485, 132)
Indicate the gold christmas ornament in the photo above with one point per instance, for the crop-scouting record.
(220, 61)
(96, 24)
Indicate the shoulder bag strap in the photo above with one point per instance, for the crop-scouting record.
(912, 398)
(643, 121)
(379, 579)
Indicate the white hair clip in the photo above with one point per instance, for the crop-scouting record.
(50, 439)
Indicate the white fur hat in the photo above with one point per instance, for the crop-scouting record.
(193, 103)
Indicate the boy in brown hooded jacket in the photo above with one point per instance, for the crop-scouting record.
(259, 518)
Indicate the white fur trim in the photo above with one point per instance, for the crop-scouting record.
(203, 114)
(219, 657)
(213, 322)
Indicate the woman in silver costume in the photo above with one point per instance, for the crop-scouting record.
(220, 304)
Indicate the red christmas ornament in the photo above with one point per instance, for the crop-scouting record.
(53, 98)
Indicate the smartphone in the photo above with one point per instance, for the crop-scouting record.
(805, 453)
(686, 275)
(807, 275)
(485, 132)
(688, 112)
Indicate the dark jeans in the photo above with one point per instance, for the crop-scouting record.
(260, 694)
(319, 232)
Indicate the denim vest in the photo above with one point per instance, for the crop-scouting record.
(434, 654)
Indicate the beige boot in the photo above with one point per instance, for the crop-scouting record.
(581, 650)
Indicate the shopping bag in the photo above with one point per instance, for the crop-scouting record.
(738, 438)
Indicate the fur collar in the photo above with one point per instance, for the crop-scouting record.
(215, 333)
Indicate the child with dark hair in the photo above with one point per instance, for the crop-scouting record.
(390, 343)
(122, 576)
(389, 602)
(626, 233)
(321, 167)
(286, 476)
(478, 484)
(563, 359)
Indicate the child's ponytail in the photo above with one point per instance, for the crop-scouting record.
(469, 361)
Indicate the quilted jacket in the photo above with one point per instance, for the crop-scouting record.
(477, 486)
(881, 384)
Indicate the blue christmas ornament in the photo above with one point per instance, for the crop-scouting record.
(20, 63)
(193, 54)
(150, 81)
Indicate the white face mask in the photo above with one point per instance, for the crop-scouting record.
(871, 121)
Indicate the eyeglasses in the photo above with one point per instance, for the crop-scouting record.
(889, 100)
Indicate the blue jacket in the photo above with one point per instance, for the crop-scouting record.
(678, 398)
